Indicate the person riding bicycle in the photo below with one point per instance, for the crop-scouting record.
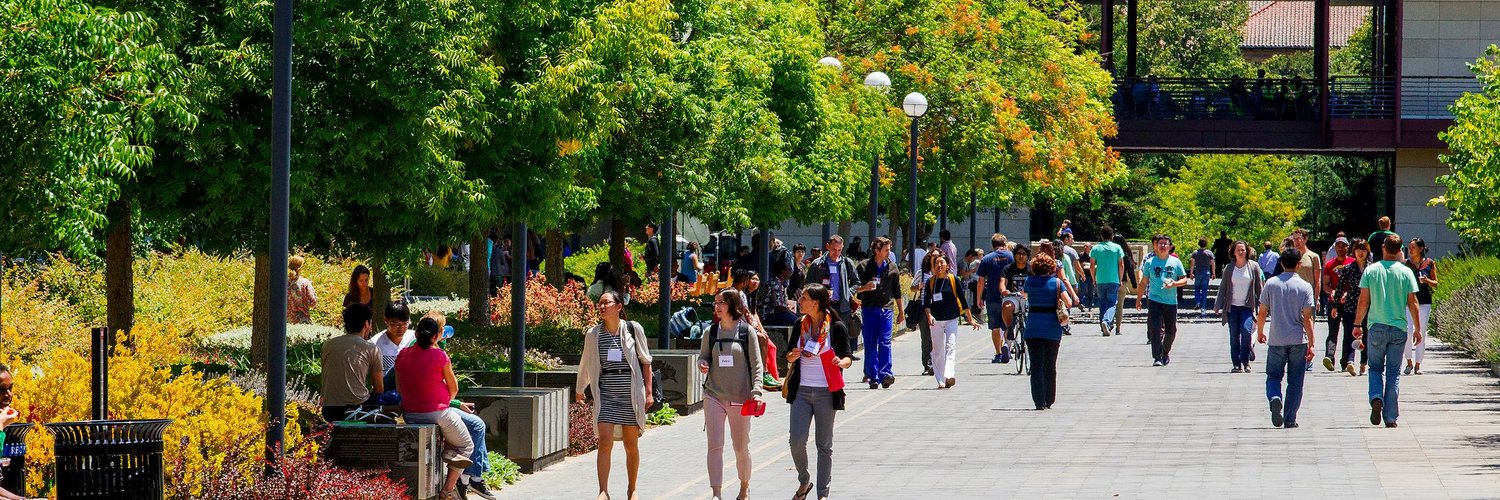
(1015, 279)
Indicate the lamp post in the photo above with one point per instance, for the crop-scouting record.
(280, 226)
(879, 82)
(915, 105)
(828, 62)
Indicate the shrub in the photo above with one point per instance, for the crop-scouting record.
(568, 308)
(300, 473)
(503, 472)
(47, 325)
(1470, 318)
(477, 354)
(455, 309)
(583, 262)
(667, 415)
(432, 280)
(1458, 273)
(581, 437)
(304, 347)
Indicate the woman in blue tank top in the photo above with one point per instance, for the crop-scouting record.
(1045, 295)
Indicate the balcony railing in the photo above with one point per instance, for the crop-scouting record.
(1295, 99)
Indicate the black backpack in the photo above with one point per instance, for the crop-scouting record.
(740, 337)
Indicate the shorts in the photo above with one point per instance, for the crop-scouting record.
(992, 310)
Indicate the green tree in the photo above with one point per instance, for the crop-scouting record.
(1474, 177)
(1190, 38)
(1357, 55)
(1251, 197)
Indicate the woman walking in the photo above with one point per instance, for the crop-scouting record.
(1426, 271)
(425, 380)
(300, 297)
(359, 288)
(614, 357)
(944, 303)
(1242, 280)
(733, 369)
(815, 384)
(1346, 303)
(1045, 295)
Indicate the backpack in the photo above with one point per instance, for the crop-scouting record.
(740, 337)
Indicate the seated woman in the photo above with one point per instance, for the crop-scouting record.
(424, 377)
(606, 280)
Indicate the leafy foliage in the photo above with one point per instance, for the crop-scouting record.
(503, 472)
(1250, 196)
(1475, 165)
(667, 415)
(1470, 318)
(1191, 38)
(581, 432)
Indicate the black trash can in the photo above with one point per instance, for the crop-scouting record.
(109, 458)
(13, 458)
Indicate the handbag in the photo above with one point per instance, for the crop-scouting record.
(753, 408)
(657, 399)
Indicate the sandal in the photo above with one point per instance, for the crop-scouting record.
(802, 492)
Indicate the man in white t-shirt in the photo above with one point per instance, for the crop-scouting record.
(393, 339)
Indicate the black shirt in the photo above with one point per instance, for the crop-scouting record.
(952, 303)
(1015, 277)
(890, 283)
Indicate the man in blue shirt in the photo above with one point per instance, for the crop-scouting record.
(1164, 275)
(1287, 301)
(1269, 262)
(992, 292)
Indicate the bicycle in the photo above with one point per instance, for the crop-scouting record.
(1013, 336)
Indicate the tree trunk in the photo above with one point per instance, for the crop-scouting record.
(380, 296)
(844, 228)
(260, 321)
(556, 275)
(616, 244)
(479, 282)
(119, 287)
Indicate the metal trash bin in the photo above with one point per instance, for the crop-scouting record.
(13, 458)
(113, 459)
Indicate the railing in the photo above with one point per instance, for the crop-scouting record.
(1361, 97)
(1428, 97)
(1153, 98)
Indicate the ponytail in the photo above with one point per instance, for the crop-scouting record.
(427, 332)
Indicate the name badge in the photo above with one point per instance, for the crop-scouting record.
(726, 360)
(811, 346)
(936, 297)
(827, 281)
(614, 355)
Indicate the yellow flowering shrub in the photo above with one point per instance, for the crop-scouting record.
(48, 325)
(209, 414)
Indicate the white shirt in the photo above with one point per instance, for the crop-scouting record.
(811, 372)
(389, 350)
(1241, 282)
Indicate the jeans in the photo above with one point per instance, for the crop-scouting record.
(876, 330)
(1200, 288)
(1289, 361)
(925, 331)
(1086, 291)
(1108, 295)
(813, 405)
(1385, 343)
(1346, 320)
(1043, 353)
(481, 451)
(1241, 322)
(1161, 328)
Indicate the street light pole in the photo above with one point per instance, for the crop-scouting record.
(281, 193)
(915, 105)
(666, 249)
(877, 81)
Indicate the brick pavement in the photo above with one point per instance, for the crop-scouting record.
(1120, 429)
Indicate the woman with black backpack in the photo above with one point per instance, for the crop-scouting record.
(731, 389)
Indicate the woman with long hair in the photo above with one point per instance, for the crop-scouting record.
(1346, 303)
(359, 288)
(687, 272)
(815, 384)
(1238, 299)
(733, 370)
(425, 380)
(944, 304)
(1426, 271)
(615, 359)
(300, 297)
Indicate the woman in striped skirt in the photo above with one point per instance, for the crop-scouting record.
(614, 357)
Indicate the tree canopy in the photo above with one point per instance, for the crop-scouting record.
(1474, 161)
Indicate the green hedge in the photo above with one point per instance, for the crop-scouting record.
(1464, 310)
(1459, 272)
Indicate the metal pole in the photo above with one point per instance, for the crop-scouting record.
(973, 223)
(102, 342)
(911, 193)
(874, 200)
(1107, 32)
(518, 272)
(668, 245)
(764, 265)
(280, 224)
(1132, 18)
(997, 219)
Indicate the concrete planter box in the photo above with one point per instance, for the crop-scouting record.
(1495, 369)
(563, 378)
(780, 337)
(413, 453)
(527, 425)
(681, 382)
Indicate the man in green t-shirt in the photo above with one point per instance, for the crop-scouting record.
(1377, 237)
(1164, 275)
(1109, 266)
(1388, 293)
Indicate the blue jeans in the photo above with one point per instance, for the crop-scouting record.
(1385, 343)
(1291, 361)
(1108, 298)
(1241, 322)
(1200, 288)
(481, 452)
(877, 333)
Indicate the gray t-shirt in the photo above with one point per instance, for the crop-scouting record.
(1286, 294)
(346, 365)
(1203, 260)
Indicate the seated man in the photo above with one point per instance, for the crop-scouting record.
(347, 360)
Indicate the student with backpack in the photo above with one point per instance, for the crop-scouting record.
(944, 304)
(732, 389)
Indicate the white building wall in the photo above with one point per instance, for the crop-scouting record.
(1416, 183)
(1440, 38)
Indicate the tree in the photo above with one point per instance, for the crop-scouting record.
(1251, 197)
(1474, 175)
(1191, 38)
(84, 115)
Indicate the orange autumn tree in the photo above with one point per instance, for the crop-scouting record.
(1019, 109)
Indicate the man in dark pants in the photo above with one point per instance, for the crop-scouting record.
(1164, 277)
(837, 272)
(653, 251)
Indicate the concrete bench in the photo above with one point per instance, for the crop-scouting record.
(412, 452)
(564, 378)
(527, 425)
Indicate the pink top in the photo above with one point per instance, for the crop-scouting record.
(419, 379)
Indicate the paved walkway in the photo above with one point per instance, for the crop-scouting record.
(1120, 429)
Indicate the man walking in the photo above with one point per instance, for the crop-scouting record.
(880, 286)
(653, 251)
(1378, 237)
(1203, 273)
(1340, 258)
(949, 250)
(1388, 293)
(1287, 300)
(1109, 265)
(837, 272)
(992, 292)
(1164, 275)
(1269, 261)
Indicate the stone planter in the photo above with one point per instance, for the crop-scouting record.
(564, 377)
(681, 382)
(412, 453)
(527, 425)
